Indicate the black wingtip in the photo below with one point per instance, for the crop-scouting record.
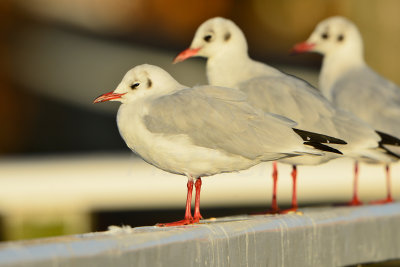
(318, 138)
(387, 139)
(387, 151)
(322, 147)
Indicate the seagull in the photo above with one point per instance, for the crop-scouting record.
(202, 131)
(224, 45)
(347, 81)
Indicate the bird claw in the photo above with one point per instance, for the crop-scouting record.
(290, 211)
(177, 223)
(355, 202)
(382, 201)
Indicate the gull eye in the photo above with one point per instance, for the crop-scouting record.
(134, 86)
(207, 38)
(324, 36)
(340, 37)
(227, 36)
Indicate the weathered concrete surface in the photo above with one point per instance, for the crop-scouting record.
(324, 236)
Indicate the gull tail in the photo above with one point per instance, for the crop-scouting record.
(322, 147)
(318, 138)
(318, 141)
(387, 139)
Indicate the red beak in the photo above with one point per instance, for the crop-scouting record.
(302, 48)
(185, 54)
(107, 97)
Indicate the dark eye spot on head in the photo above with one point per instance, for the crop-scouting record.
(134, 86)
(325, 35)
(227, 36)
(149, 83)
(340, 37)
(207, 38)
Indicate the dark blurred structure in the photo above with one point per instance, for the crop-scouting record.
(47, 55)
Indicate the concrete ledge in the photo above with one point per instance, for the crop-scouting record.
(323, 236)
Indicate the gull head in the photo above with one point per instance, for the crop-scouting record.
(140, 82)
(216, 36)
(332, 36)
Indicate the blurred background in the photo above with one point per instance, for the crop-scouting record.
(63, 163)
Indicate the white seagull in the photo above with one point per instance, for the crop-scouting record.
(348, 82)
(228, 64)
(201, 131)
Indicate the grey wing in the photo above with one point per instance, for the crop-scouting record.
(292, 98)
(299, 101)
(220, 118)
(370, 97)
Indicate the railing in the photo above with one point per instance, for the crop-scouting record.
(323, 236)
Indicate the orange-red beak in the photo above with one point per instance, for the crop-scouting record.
(185, 54)
(107, 97)
(302, 48)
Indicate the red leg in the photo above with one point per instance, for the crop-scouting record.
(294, 195)
(274, 205)
(388, 198)
(197, 216)
(388, 184)
(355, 201)
(188, 213)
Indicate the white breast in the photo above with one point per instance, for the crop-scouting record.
(174, 153)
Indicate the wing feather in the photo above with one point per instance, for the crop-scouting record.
(299, 101)
(220, 118)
